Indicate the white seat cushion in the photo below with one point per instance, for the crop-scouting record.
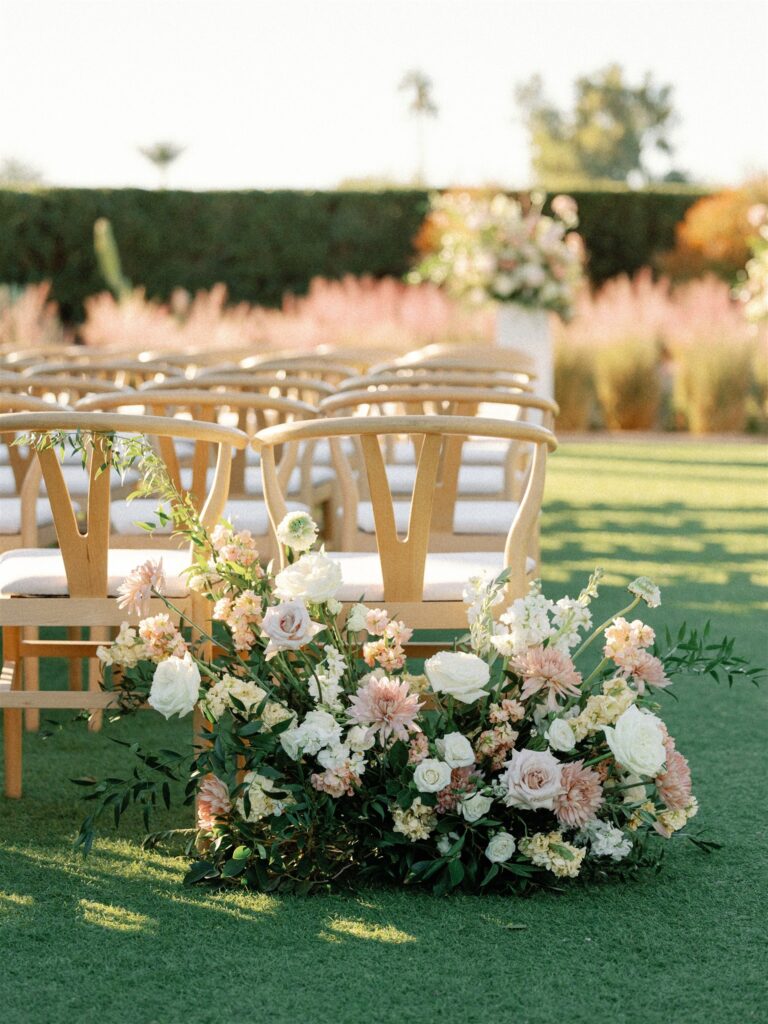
(253, 483)
(39, 572)
(472, 479)
(75, 477)
(445, 575)
(10, 514)
(243, 513)
(492, 517)
(480, 452)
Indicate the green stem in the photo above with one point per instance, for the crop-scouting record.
(596, 671)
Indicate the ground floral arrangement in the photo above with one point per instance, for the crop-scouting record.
(483, 247)
(530, 753)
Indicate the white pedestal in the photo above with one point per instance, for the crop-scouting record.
(529, 331)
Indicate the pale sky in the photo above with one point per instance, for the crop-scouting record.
(303, 93)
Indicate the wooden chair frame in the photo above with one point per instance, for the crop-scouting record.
(85, 559)
(403, 560)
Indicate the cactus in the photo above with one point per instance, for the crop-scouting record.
(108, 257)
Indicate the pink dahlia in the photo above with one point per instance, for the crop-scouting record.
(387, 707)
(546, 668)
(674, 784)
(581, 797)
(212, 802)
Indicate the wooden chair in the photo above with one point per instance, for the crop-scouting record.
(426, 376)
(248, 411)
(76, 585)
(301, 389)
(419, 584)
(124, 373)
(328, 369)
(470, 359)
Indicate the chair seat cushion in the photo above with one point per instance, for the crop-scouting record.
(243, 513)
(39, 572)
(10, 514)
(479, 452)
(320, 476)
(445, 576)
(75, 477)
(472, 479)
(493, 517)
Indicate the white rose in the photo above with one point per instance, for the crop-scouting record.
(533, 779)
(455, 750)
(432, 775)
(360, 738)
(459, 675)
(500, 848)
(356, 618)
(175, 686)
(314, 578)
(476, 806)
(297, 531)
(288, 627)
(560, 735)
(637, 742)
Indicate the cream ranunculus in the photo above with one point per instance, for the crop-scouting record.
(175, 686)
(288, 627)
(459, 675)
(314, 578)
(533, 779)
(456, 750)
(500, 848)
(476, 806)
(297, 531)
(432, 775)
(637, 742)
(560, 735)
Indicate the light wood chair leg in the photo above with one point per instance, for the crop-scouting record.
(30, 669)
(12, 717)
(75, 664)
(100, 633)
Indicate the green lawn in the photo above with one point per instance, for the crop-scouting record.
(117, 938)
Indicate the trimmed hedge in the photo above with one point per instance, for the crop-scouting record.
(263, 244)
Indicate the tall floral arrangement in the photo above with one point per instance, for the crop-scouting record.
(530, 752)
(754, 291)
(495, 247)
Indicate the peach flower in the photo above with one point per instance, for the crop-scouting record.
(212, 802)
(546, 668)
(674, 783)
(387, 707)
(581, 797)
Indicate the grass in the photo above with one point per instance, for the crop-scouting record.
(117, 939)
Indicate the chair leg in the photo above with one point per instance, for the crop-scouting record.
(31, 675)
(12, 717)
(100, 633)
(75, 664)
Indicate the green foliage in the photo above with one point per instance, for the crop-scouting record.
(108, 256)
(607, 133)
(264, 244)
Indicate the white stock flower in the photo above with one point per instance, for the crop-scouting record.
(569, 616)
(560, 735)
(500, 848)
(605, 840)
(314, 578)
(297, 531)
(445, 842)
(319, 729)
(356, 617)
(476, 806)
(432, 775)
(527, 624)
(456, 750)
(637, 742)
(360, 738)
(459, 675)
(175, 686)
(647, 590)
(288, 627)
(262, 798)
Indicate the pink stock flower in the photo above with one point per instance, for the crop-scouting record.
(546, 668)
(334, 783)
(674, 783)
(212, 802)
(625, 641)
(387, 707)
(135, 592)
(376, 621)
(581, 797)
(161, 639)
(418, 748)
(464, 782)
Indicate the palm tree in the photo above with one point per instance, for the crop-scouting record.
(162, 155)
(422, 106)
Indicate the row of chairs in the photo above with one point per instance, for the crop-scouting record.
(393, 443)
